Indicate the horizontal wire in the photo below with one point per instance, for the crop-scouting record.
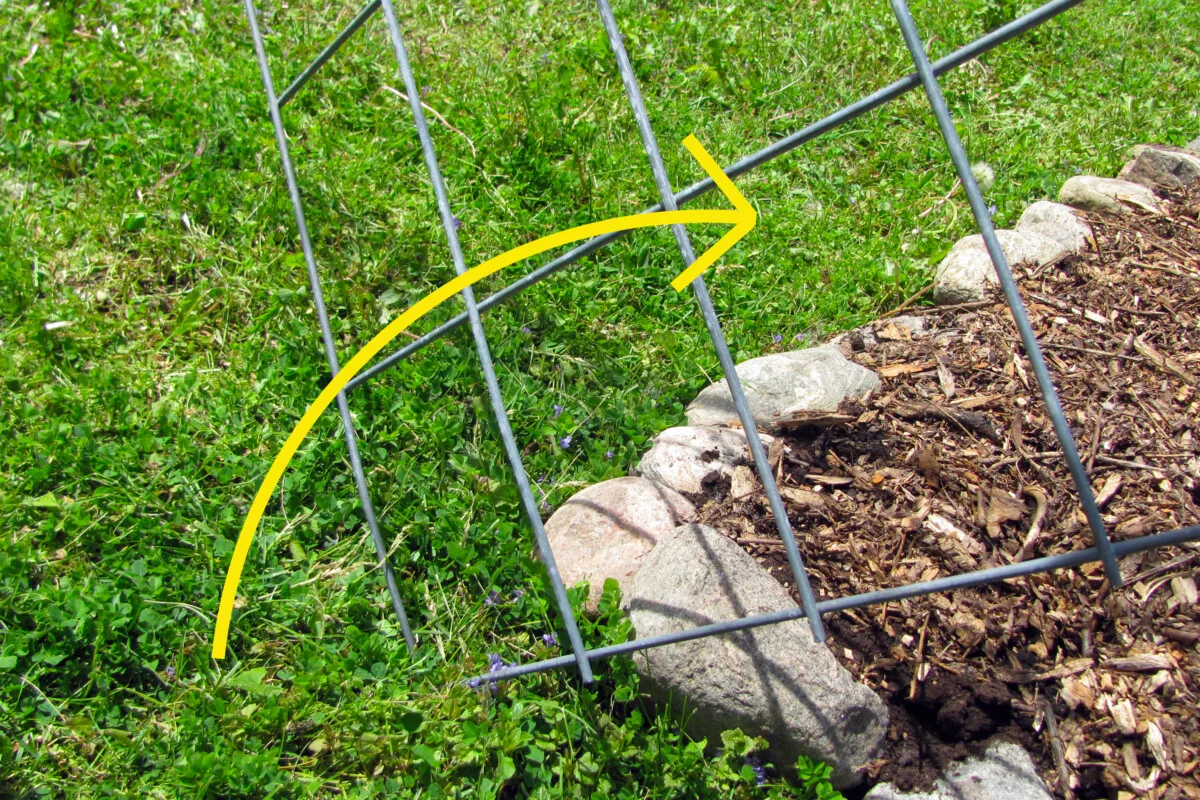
(949, 583)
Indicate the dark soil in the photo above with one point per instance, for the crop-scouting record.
(946, 720)
(954, 466)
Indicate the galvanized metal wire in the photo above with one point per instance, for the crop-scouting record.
(314, 280)
(771, 152)
(728, 368)
(949, 583)
(450, 226)
(983, 219)
(925, 76)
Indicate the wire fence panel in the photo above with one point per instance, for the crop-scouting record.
(767, 154)
(925, 77)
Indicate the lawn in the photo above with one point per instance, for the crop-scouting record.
(142, 204)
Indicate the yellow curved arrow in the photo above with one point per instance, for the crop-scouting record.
(743, 219)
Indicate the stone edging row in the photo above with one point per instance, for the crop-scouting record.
(774, 681)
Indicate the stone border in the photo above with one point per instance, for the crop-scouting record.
(710, 459)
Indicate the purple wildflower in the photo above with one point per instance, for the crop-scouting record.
(609, 455)
(545, 58)
(518, 594)
(777, 338)
(799, 337)
(171, 673)
(475, 683)
(424, 91)
(565, 442)
(760, 772)
(525, 329)
(549, 639)
(992, 210)
(557, 410)
(492, 597)
(496, 663)
(457, 223)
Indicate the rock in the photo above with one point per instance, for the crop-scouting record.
(697, 462)
(1056, 221)
(966, 274)
(1161, 165)
(772, 681)
(816, 379)
(607, 529)
(1194, 145)
(901, 328)
(1109, 195)
(908, 326)
(854, 341)
(1004, 772)
(744, 482)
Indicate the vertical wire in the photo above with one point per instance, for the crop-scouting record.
(314, 280)
(650, 143)
(481, 345)
(1028, 338)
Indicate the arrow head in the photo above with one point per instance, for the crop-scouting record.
(746, 216)
(735, 197)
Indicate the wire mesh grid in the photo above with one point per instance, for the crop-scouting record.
(925, 76)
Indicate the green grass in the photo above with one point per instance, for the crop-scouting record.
(143, 202)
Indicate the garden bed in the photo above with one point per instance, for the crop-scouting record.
(954, 466)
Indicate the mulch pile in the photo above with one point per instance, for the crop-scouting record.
(954, 466)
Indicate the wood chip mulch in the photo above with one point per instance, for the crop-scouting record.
(953, 466)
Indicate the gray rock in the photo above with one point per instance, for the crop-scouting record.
(816, 379)
(1110, 195)
(607, 529)
(1004, 772)
(865, 337)
(772, 681)
(915, 326)
(1194, 145)
(1160, 165)
(697, 462)
(966, 274)
(854, 341)
(744, 482)
(1056, 221)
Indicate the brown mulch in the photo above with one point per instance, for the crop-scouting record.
(953, 466)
